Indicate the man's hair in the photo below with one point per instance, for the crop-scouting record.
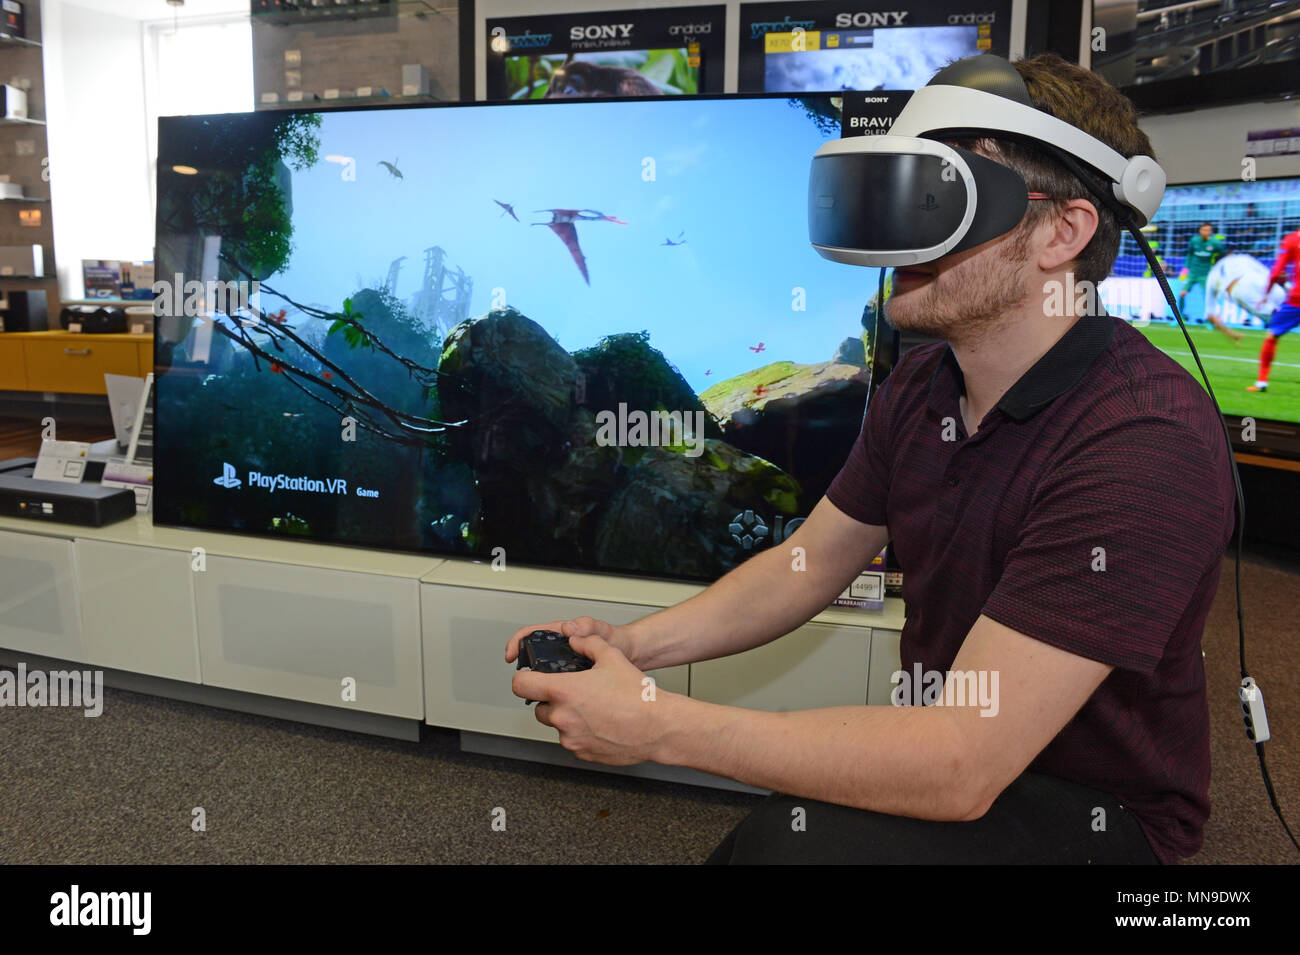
(1083, 99)
(1203, 225)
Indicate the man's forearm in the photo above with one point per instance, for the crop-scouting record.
(906, 761)
(757, 602)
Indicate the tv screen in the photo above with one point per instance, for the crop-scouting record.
(825, 46)
(888, 58)
(1218, 276)
(1172, 54)
(660, 72)
(582, 334)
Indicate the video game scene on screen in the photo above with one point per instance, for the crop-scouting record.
(544, 341)
(1230, 251)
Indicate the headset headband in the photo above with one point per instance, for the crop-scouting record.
(1137, 183)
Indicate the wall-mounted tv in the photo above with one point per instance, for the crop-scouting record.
(1218, 242)
(1175, 54)
(593, 334)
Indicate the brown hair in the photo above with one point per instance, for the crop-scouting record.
(1083, 99)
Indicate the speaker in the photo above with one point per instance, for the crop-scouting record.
(95, 320)
(23, 311)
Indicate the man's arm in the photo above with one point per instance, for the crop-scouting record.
(927, 762)
(764, 597)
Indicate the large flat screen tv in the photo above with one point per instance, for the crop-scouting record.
(589, 335)
(1223, 278)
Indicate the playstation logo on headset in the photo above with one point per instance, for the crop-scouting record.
(929, 205)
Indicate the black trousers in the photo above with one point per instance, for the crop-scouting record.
(1038, 820)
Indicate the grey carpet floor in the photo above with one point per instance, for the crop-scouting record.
(122, 788)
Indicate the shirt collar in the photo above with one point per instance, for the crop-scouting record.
(1059, 370)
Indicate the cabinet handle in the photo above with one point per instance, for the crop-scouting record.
(76, 351)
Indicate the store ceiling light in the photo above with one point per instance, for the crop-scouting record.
(184, 170)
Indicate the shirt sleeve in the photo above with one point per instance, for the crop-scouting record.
(861, 489)
(1117, 543)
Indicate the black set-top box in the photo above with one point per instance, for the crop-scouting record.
(92, 505)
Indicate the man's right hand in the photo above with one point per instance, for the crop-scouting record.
(616, 636)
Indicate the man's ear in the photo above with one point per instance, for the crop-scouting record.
(1067, 232)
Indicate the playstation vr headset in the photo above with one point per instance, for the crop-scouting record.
(904, 198)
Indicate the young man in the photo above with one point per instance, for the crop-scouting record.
(1046, 546)
(1287, 315)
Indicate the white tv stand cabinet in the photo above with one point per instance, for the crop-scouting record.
(370, 640)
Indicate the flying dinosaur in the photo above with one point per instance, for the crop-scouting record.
(508, 208)
(760, 347)
(392, 168)
(562, 224)
(681, 239)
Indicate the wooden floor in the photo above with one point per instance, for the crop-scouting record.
(21, 437)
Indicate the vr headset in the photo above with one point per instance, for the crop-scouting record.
(905, 197)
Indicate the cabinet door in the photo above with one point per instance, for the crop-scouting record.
(137, 607)
(304, 633)
(13, 367)
(38, 597)
(885, 662)
(78, 367)
(467, 681)
(815, 666)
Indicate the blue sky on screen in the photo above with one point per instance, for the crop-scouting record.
(731, 175)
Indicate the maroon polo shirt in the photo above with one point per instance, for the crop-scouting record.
(1104, 443)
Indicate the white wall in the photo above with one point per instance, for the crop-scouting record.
(108, 75)
(1209, 144)
(100, 182)
(492, 9)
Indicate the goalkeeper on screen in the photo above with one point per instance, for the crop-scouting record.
(1202, 251)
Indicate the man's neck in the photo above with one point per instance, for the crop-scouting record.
(998, 358)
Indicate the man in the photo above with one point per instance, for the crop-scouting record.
(1287, 315)
(1202, 250)
(1045, 545)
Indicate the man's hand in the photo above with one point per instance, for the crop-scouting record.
(610, 714)
(580, 627)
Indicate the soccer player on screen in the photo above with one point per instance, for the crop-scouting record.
(1287, 315)
(1202, 250)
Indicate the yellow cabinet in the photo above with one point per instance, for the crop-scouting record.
(13, 374)
(71, 363)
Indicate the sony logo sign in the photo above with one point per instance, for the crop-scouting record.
(888, 18)
(604, 31)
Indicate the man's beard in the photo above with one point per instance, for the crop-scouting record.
(964, 301)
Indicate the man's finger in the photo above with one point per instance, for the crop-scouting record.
(529, 685)
(542, 711)
(593, 648)
(512, 645)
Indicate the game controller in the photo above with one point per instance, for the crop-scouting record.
(546, 651)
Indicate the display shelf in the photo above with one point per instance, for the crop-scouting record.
(7, 39)
(582, 585)
(22, 199)
(16, 121)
